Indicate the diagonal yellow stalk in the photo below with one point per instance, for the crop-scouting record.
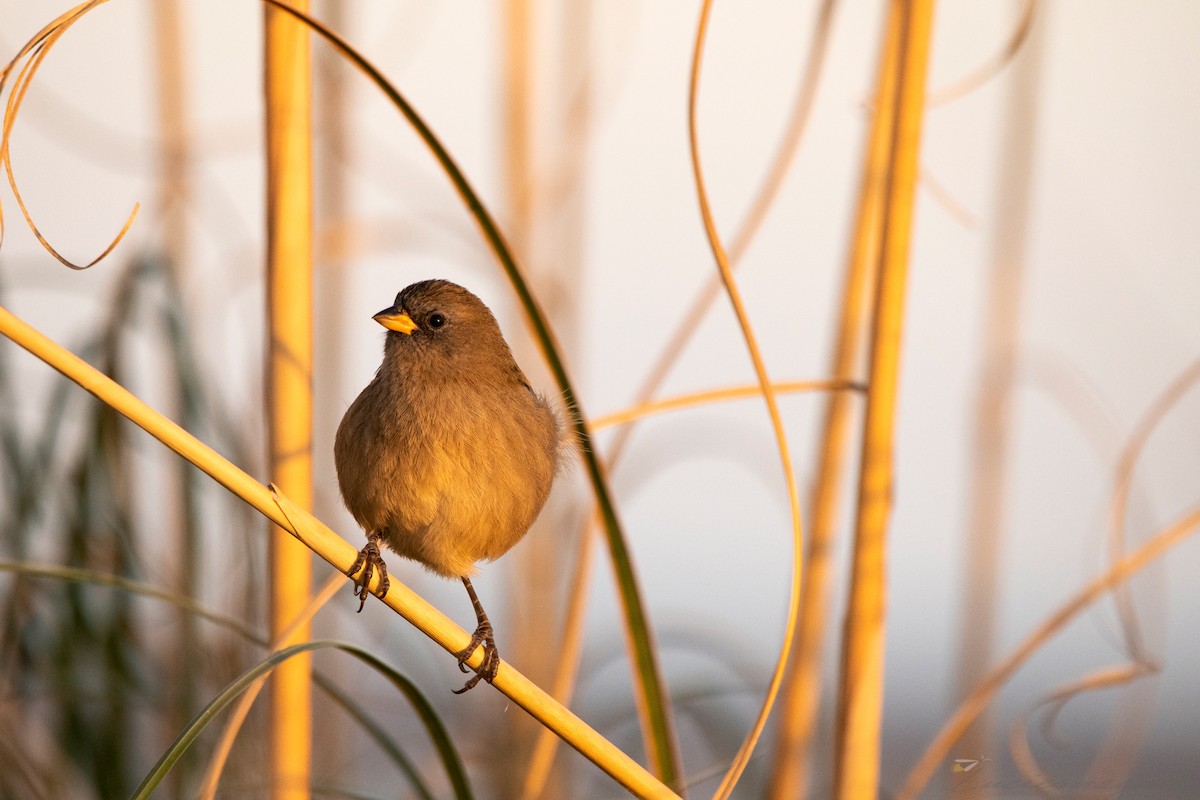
(860, 702)
(801, 702)
(289, 380)
(768, 392)
(339, 553)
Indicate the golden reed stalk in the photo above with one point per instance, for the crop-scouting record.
(860, 703)
(288, 86)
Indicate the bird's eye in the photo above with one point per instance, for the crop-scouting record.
(437, 320)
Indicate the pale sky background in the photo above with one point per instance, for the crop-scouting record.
(1108, 312)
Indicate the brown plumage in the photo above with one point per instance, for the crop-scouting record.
(448, 455)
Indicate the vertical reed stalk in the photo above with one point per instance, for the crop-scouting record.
(532, 588)
(985, 521)
(174, 190)
(548, 91)
(289, 378)
(518, 121)
(331, 207)
(802, 695)
(860, 704)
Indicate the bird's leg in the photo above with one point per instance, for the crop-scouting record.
(368, 560)
(482, 636)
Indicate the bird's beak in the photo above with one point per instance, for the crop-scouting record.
(395, 320)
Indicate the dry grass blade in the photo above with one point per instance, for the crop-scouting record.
(1122, 485)
(938, 191)
(1112, 763)
(693, 399)
(802, 698)
(337, 552)
(1018, 733)
(37, 49)
(992, 66)
(971, 707)
(572, 636)
(763, 200)
(1120, 569)
(768, 392)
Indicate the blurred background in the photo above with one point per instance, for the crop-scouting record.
(1054, 280)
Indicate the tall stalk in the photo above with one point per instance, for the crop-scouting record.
(983, 550)
(174, 188)
(289, 378)
(801, 700)
(860, 704)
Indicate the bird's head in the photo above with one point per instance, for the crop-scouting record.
(443, 323)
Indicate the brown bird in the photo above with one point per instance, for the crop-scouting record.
(448, 455)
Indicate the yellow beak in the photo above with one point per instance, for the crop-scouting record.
(395, 320)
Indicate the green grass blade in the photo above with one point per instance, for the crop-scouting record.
(190, 606)
(661, 736)
(373, 729)
(445, 746)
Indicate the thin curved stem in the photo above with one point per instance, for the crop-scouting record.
(768, 391)
(989, 687)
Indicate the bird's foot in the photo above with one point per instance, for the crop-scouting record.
(369, 559)
(491, 657)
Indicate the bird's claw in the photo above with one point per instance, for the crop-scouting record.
(491, 657)
(369, 558)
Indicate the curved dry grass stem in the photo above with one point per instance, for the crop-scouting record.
(693, 399)
(1112, 762)
(860, 703)
(37, 48)
(768, 392)
(801, 701)
(992, 66)
(971, 707)
(1121, 569)
(572, 637)
(1106, 678)
(752, 221)
(237, 715)
(1123, 483)
(338, 552)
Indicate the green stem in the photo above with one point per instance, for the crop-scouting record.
(654, 699)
